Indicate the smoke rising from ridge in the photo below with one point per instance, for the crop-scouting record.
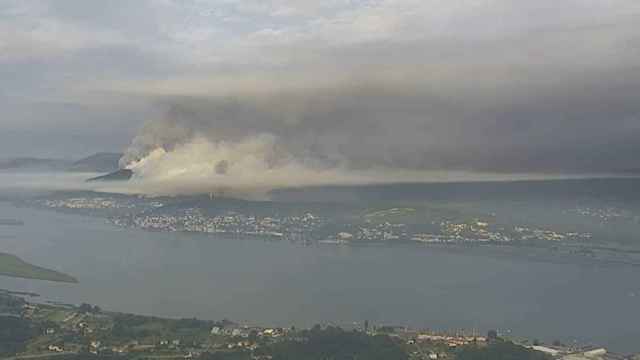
(409, 86)
(368, 91)
(384, 129)
(236, 147)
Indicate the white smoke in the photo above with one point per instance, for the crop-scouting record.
(159, 133)
(249, 166)
(254, 165)
(248, 144)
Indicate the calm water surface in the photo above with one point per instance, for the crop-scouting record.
(278, 283)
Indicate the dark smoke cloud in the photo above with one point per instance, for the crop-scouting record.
(578, 123)
(545, 87)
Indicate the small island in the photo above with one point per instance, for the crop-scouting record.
(13, 266)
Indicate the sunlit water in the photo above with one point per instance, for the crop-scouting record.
(279, 283)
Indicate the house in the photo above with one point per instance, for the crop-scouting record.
(546, 350)
(55, 348)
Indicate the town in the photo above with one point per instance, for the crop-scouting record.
(307, 225)
(314, 227)
(420, 224)
(50, 330)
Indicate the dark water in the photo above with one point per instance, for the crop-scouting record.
(278, 283)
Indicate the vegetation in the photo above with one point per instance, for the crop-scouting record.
(499, 350)
(88, 308)
(10, 304)
(14, 334)
(88, 332)
(11, 265)
(337, 344)
(221, 355)
(136, 326)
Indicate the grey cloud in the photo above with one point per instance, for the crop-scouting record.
(569, 125)
(544, 86)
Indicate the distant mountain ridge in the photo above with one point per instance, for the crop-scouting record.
(118, 175)
(32, 163)
(100, 162)
(104, 162)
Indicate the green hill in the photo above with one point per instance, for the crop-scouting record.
(11, 265)
(99, 163)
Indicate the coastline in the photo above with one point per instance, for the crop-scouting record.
(13, 266)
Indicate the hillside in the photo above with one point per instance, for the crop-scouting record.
(96, 163)
(33, 164)
(99, 163)
(118, 175)
(13, 266)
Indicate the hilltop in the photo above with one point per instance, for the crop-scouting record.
(33, 164)
(13, 266)
(96, 163)
(118, 175)
(99, 163)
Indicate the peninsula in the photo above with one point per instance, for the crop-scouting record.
(13, 266)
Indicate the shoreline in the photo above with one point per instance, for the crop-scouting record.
(13, 266)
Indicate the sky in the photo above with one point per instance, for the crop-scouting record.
(544, 86)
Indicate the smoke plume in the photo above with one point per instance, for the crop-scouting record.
(248, 144)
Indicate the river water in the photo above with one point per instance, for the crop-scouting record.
(283, 284)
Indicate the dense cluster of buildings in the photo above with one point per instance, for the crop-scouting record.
(381, 232)
(470, 231)
(549, 235)
(452, 232)
(308, 226)
(103, 204)
(194, 220)
(604, 214)
(90, 203)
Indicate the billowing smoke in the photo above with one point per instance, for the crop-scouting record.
(250, 166)
(250, 143)
(164, 133)
(336, 91)
(379, 112)
(398, 91)
(240, 148)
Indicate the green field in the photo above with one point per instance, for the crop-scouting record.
(11, 265)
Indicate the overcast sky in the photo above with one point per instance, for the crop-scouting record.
(480, 85)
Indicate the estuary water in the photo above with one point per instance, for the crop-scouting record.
(284, 284)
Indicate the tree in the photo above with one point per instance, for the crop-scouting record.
(337, 344)
(88, 308)
(232, 355)
(253, 336)
(499, 350)
(14, 334)
(557, 343)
